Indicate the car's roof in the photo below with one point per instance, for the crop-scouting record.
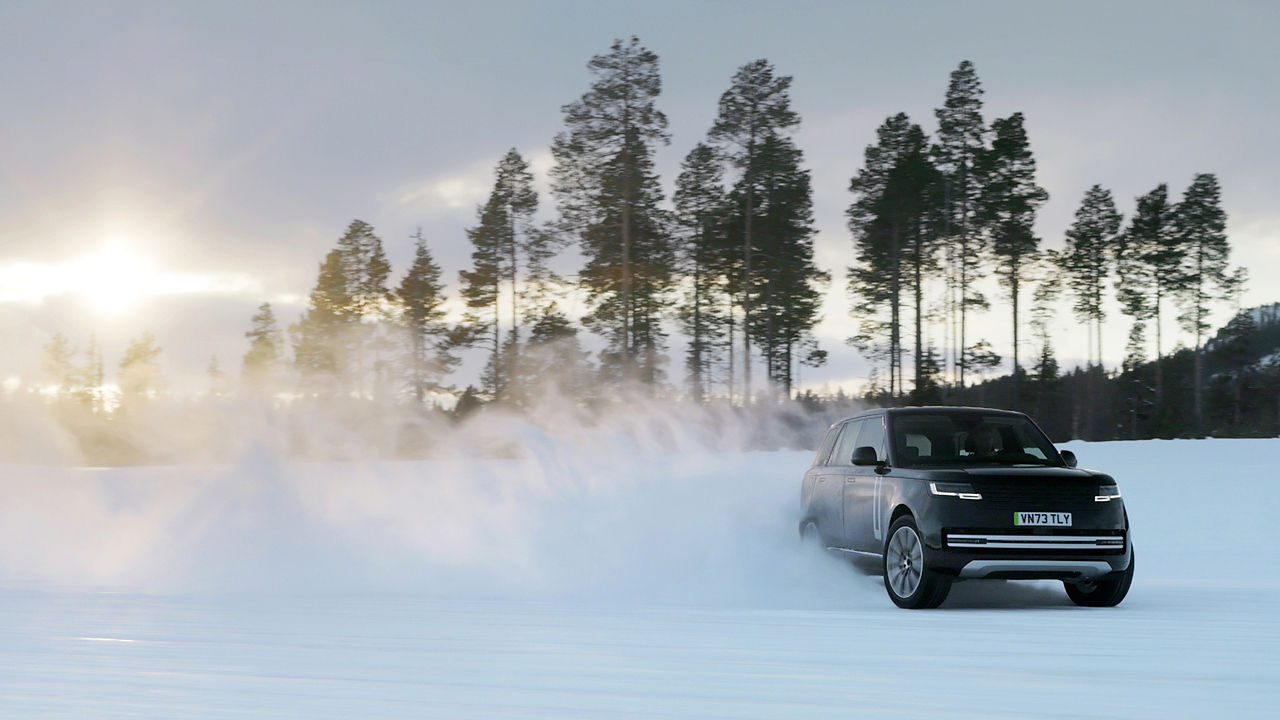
(932, 409)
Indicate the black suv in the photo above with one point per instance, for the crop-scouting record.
(941, 494)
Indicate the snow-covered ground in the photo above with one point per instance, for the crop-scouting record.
(610, 583)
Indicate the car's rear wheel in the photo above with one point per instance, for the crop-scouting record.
(908, 581)
(1106, 591)
(810, 537)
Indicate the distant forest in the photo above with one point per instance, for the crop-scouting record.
(727, 263)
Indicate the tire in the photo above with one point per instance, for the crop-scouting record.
(909, 583)
(810, 538)
(1106, 592)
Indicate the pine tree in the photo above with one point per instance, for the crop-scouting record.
(1200, 225)
(958, 153)
(322, 338)
(90, 377)
(139, 375)
(894, 221)
(785, 292)
(507, 250)
(365, 270)
(1148, 265)
(421, 302)
(58, 365)
(266, 345)
(1008, 209)
(1047, 281)
(875, 281)
(481, 289)
(608, 196)
(554, 360)
(340, 329)
(1135, 357)
(755, 108)
(1089, 257)
(1087, 262)
(700, 214)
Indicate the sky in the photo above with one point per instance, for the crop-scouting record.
(209, 155)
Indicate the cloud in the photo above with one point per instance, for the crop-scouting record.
(461, 189)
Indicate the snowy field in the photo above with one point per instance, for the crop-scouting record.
(609, 584)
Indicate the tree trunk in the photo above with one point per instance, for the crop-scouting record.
(1159, 404)
(497, 347)
(627, 358)
(730, 345)
(918, 297)
(697, 321)
(746, 301)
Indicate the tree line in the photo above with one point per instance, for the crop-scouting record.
(729, 262)
(934, 217)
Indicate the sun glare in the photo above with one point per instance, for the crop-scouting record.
(113, 279)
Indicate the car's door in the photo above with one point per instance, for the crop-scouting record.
(840, 470)
(813, 488)
(862, 486)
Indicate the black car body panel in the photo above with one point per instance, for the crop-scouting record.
(852, 506)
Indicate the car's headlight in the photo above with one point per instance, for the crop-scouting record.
(1107, 493)
(964, 491)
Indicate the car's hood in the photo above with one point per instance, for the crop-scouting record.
(1026, 472)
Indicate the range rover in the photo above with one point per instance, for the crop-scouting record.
(942, 494)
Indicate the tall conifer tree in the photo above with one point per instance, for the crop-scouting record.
(322, 337)
(1008, 209)
(958, 151)
(421, 300)
(785, 289)
(700, 214)
(266, 346)
(755, 108)
(507, 250)
(894, 221)
(609, 197)
(1201, 228)
(1088, 259)
(1148, 267)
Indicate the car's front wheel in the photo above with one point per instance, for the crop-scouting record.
(1107, 591)
(909, 582)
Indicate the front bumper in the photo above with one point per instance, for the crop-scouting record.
(1032, 557)
(973, 539)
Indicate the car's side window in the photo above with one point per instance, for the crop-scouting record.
(873, 435)
(843, 454)
(824, 450)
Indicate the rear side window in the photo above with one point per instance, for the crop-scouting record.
(825, 448)
(843, 454)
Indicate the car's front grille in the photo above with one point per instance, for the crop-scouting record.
(1037, 494)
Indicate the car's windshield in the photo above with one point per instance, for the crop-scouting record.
(970, 439)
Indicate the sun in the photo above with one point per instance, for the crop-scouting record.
(115, 278)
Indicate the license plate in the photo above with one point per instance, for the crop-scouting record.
(1047, 519)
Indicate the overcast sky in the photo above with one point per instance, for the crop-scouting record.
(224, 147)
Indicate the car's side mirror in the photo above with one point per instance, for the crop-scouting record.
(865, 455)
(1068, 457)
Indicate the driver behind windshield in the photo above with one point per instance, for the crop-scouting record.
(985, 441)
